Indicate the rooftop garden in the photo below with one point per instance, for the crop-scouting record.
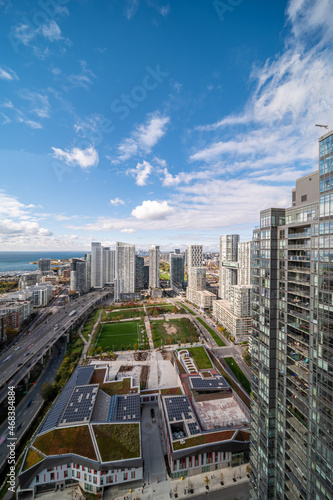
(200, 357)
(238, 373)
(118, 441)
(67, 440)
(33, 457)
(212, 437)
(171, 391)
(173, 331)
(118, 387)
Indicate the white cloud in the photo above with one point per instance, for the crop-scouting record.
(152, 210)
(129, 231)
(143, 138)
(292, 92)
(83, 79)
(84, 158)
(11, 207)
(51, 31)
(10, 227)
(30, 123)
(39, 102)
(141, 173)
(117, 201)
(8, 74)
(131, 8)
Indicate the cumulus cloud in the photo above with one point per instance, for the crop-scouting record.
(10, 227)
(143, 138)
(117, 201)
(141, 173)
(152, 210)
(84, 158)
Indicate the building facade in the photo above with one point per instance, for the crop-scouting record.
(176, 261)
(97, 274)
(228, 263)
(154, 266)
(292, 356)
(44, 265)
(124, 284)
(139, 273)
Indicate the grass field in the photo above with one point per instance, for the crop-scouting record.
(122, 336)
(215, 336)
(173, 331)
(200, 357)
(238, 373)
(185, 307)
(125, 314)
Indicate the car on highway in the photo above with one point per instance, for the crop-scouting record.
(20, 364)
(27, 354)
(29, 403)
(30, 346)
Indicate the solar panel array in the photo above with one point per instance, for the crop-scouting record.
(199, 383)
(128, 408)
(82, 375)
(194, 429)
(178, 408)
(112, 408)
(80, 405)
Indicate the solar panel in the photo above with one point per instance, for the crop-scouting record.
(112, 408)
(217, 382)
(81, 375)
(194, 429)
(128, 408)
(178, 408)
(80, 404)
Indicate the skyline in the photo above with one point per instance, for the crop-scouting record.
(156, 122)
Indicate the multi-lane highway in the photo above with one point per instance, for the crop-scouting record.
(16, 362)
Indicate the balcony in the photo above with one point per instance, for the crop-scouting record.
(296, 471)
(301, 291)
(297, 487)
(305, 245)
(300, 372)
(298, 382)
(301, 279)
(300, 235)
(301, 407)
(298, 360)
(303, 327)
(292, 493)
(298, 427)
(299, 314)
(298, 302)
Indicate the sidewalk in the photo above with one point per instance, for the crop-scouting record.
(169, 488)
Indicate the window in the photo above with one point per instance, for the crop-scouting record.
(133, 474)
(304, 197)
(125, 476)
(52, 476)
(37, 479)
(66, 473)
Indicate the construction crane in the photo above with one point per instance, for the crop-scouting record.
(324, 126)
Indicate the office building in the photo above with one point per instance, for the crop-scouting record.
(154, 266)
(176, 261)
(44, 265)
(139, 273)
(87, 258)
(146, 276)
(124, 284)
(97, 274)
(228, 263)
(292, 362)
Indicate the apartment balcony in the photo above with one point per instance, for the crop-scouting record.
(299, 257)
(296, 426)
(298, 359)
(299, 245)
(303, 327)
(295, 350)
(298, 314)
(301, 407)
(292, 493)
(296, 486)
(300, 372)
(303, 234)
(298, 382)
(301, 279)
(305, 304)
(300, 291)
(296, 471)
(293, 268)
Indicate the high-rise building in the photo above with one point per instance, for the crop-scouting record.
(108, 265)
(44, 265)
(244, 263)
(228, 263)
(176, 261)
(292, 356)
(97, 274)
(78, 282)
(87, 258)
(194, 259)
(154, 266)
(124, 283)
(139, 272)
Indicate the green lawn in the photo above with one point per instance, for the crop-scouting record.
(185, 307)
(118, 441)
(215, 336)
(124, 314)
(164, 276)
(173, 331)
(238, 373)
(121, 336)
(200, 357)
(159, 309)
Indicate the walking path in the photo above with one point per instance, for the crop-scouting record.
(87, 344)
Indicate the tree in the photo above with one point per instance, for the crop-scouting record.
(91, 351)
(48, 391)
(136, 347)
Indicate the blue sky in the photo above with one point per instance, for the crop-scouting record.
(156, 121)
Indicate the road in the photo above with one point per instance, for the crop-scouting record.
(15, 362)
(28, 408)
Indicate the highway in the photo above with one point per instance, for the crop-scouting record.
(29, 407)
(15, 362)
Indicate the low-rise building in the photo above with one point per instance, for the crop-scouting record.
(91, 437)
